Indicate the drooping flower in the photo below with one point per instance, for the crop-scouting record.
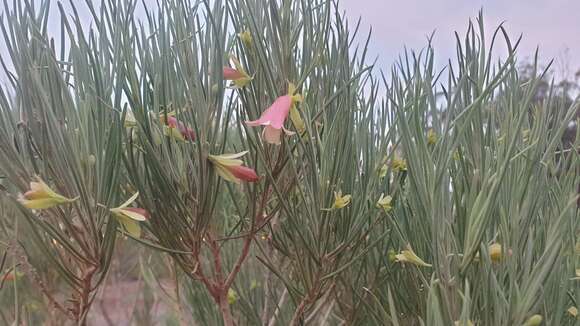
(274, 117)
(40, 196)
(535, 320)
(237, 75)
(176, 129)
(231, 168)
(246, 38)
(340, 201)
(431, 137)
(399, 164)
(385, 202)
(129, 217)
(409, 256)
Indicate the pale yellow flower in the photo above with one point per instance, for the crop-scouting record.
(231, 168)
(385, 202)
(409, 256)
(40, 196)
(340, 201)
(129, 217)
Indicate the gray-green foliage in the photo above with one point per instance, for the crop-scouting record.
(272, 252)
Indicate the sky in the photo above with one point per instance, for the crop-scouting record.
(551, 25)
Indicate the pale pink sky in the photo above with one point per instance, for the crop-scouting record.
(553, 25)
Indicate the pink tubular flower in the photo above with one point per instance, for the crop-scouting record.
(231, 168)
(244, 173)
(232, 74)
(176, 129)
(237, 75)
(274, 116)
(186, 132)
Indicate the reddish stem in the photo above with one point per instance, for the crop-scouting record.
(225, 309)
(209, 285)
(298, 313)
(241, 259)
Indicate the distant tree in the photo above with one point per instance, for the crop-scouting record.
(562, 92)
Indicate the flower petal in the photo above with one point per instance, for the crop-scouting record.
(232, 74)
(35, 194)
(385, 202)
(40, 196)
(227, 159)
(137, 214)
(42, 203)
(244, 173)
(173, 133)
(241, 82)
(130, 226)
(41, 186)
(272, 135)
(223, 172)
(232, 156)
(297, 120)
(409, 256)
(276, 114)
(130, 200)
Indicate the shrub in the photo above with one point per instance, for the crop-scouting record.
(252, 143)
